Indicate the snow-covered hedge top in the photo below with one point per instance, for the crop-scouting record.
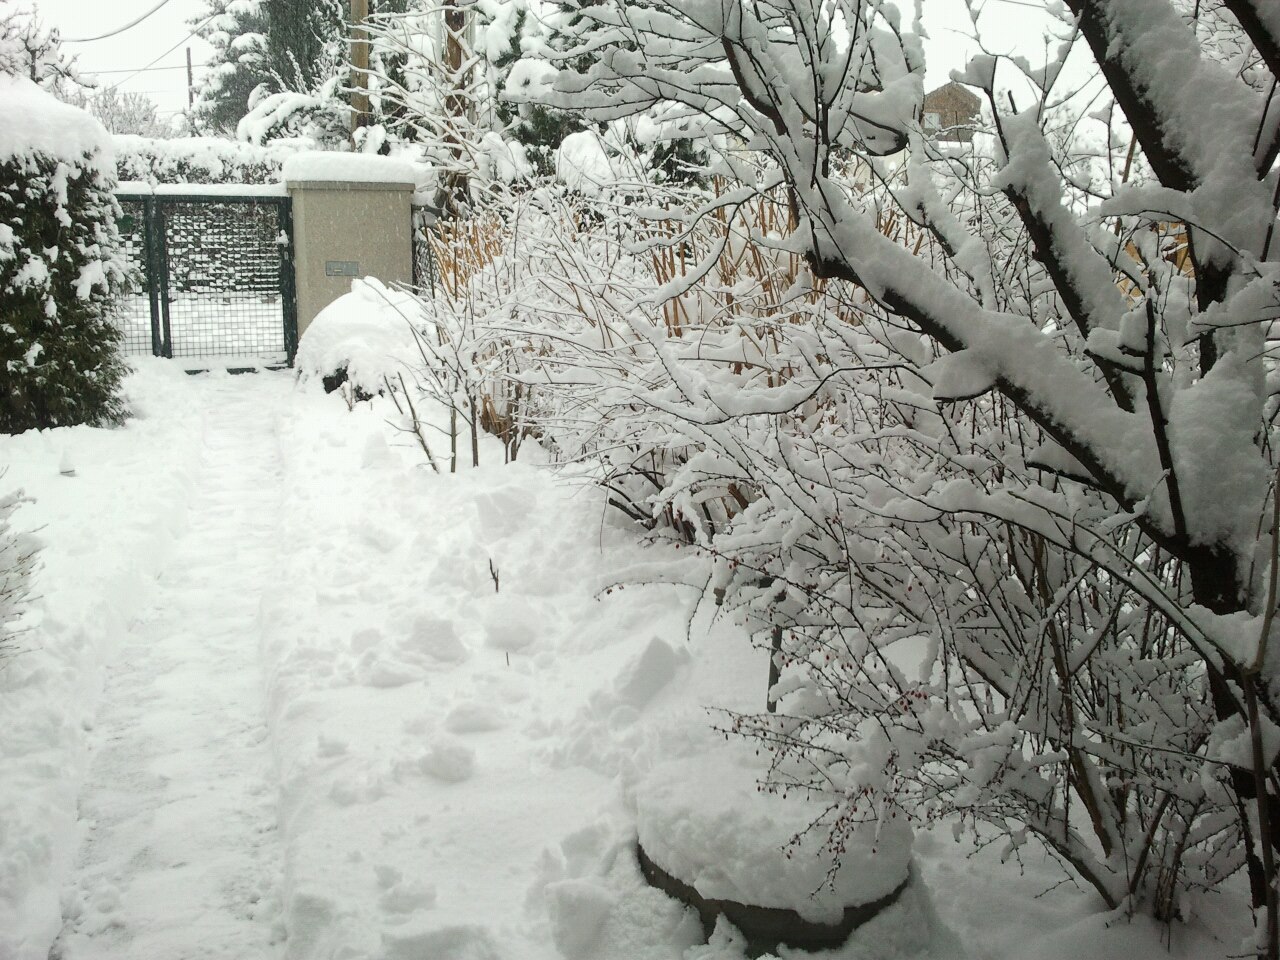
(142, 188)
(202, 159)
(34, 122)
(319, 166)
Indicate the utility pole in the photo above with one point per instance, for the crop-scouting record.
(191, 83)
(359, 64)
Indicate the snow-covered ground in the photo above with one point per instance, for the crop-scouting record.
(287, 693)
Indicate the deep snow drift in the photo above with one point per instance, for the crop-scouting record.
(286, 692)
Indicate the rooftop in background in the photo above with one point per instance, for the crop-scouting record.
(951, 113)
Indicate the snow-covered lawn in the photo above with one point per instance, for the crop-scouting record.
(288, 693)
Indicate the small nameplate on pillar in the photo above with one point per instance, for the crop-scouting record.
(341, 268)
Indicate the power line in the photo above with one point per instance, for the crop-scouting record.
(1024, 3)
(196, 29)
(198, 66)
(118, 30)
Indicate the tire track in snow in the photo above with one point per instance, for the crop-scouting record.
(180, 858)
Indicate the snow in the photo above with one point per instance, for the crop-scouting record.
(333, 167)
(261, 714)
(958, 376)
(95, 580)
(582, 163)
(202, 159)
(139, 188)
(35, 123)
(703, 820)
(367, 332)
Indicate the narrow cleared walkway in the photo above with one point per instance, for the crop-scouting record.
(180, 858)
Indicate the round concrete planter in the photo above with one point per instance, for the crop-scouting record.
(709, 837)
(766, 928)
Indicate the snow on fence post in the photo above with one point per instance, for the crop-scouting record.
(351, 218)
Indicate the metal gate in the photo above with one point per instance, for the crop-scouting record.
(212, 278)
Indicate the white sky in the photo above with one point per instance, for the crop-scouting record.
(134, 48)
(1005, 24)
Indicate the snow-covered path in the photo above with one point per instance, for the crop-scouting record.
(180, 857)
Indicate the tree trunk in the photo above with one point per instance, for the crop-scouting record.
(1217, 584)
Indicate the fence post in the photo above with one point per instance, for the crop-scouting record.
(161, 286)
(288, 279)
(151, 238)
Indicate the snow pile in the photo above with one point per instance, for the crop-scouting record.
(704, 820)
(35, 123)
(332, 167)
(368, 333)
(504, 161)
(202, 159)
(582, 163)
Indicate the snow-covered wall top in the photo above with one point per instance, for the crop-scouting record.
(189, 160)
(33, 122)
(328, 167)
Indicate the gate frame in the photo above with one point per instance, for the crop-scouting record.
(156, 259)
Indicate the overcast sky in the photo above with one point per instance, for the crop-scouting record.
(134, 48)
(1005, 22)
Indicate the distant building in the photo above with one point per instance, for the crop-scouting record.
(951, 113)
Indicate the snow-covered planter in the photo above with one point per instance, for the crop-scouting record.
(364, 339)
(711, 837)
(60, 264)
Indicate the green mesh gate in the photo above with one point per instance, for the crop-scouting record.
(212, 278)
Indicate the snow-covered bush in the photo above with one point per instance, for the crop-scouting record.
(28, 49)
(60, 264)
(364, 340)
(17, 562)
(791, 432)
(969, 494)
(435, 83)
(1057, 365)
(320, 116)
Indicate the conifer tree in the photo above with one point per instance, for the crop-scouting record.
(60, 258)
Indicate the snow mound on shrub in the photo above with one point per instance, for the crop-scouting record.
(368, 333)
(35, 123)
(702, 820)
(582, 163)
(202, 159)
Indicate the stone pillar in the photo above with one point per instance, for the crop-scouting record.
(351, 218)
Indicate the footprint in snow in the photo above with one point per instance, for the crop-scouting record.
(473, 718)
(449, 761)
(403, 896)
